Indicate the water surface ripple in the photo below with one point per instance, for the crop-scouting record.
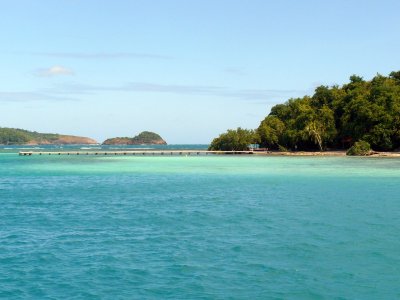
(227, 227)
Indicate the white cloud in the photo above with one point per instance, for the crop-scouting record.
(234, 71)
(54, 71)
(102, 55)
(265, 95)
(6, 96)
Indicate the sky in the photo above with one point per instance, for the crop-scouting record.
(186, 69)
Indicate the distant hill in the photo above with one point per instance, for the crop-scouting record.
(13, 136)
(144, 138)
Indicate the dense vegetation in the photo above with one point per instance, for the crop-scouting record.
(10, 136)
(13, 136)
(237, 140)
(334, 117)
(359, 148)
(145, 137)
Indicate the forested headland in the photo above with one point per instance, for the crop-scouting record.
(334, 117)
(14, 136)
(143, 138)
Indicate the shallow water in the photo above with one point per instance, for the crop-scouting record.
(216, 227)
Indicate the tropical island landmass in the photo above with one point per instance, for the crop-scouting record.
(143, 138)
(360, 117)
(14, 136)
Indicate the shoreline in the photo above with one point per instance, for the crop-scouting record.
(340, 153)
(337, 153)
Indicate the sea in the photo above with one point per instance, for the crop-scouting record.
(198, 227)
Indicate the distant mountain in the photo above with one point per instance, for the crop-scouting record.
(13, 136)
(144, 138)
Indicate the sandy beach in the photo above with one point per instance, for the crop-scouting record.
(325, 153)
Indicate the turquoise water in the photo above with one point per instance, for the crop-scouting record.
(223, 227)
(16, 148)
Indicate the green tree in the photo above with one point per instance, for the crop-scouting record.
(270, 131)
(234, 140)
(359, 148)
(321, 127)
(337, 116)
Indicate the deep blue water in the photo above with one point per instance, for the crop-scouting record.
(224, 227)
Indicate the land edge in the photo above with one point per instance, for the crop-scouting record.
(143, 138)
(23, 137)
(217, 152)
(324, 153)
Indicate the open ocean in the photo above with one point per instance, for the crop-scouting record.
(199, 227)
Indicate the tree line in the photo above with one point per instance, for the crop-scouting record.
(332, 118)
(15, 136)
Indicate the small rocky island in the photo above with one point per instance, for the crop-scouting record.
(14, 136)
(144, 138)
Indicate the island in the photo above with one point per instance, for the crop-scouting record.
(143, 138)
(14, 136)
(360, 117)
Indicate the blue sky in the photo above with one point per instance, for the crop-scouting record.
(187, 69)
